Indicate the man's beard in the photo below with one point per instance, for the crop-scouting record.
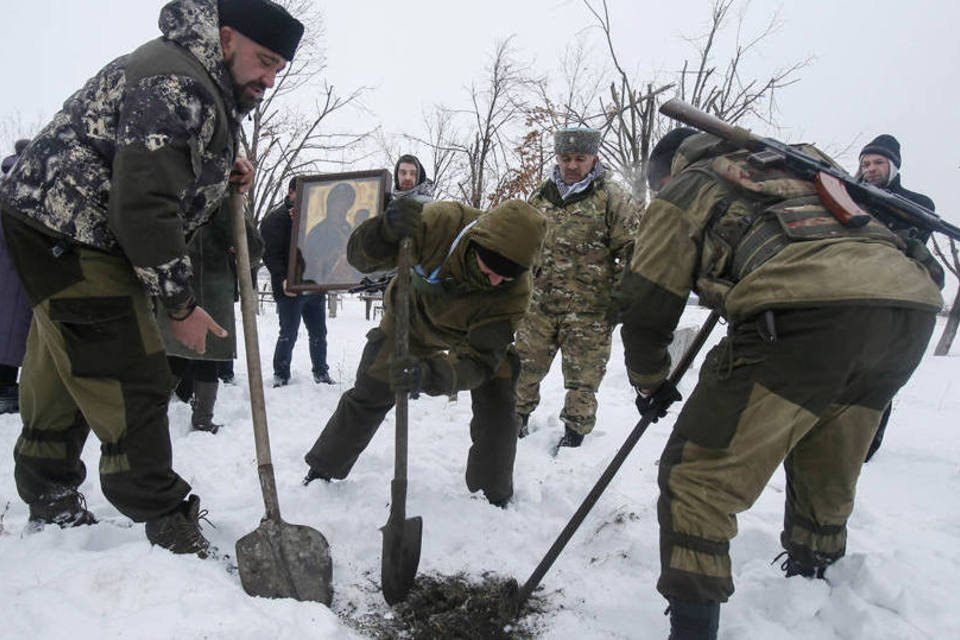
(247, 102)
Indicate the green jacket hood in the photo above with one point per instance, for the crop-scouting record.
(514, 229)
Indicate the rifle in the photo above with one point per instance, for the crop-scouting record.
(841, 193)
(373, 284)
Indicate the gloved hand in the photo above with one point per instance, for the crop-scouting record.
(407, 374)
(401, 219)
(654, 405)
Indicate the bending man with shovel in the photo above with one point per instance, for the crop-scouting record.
(471, 287)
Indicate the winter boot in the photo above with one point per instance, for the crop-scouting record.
(204, 398)
(794, 566)
(312, 475)
(524, 429)
(65, 509)
(10, 398)
(570, 438)
(323, 378)
(179, 530)
(693, 620)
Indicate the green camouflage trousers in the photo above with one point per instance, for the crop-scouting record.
(812, 399)
(584, 344)
(94, 360)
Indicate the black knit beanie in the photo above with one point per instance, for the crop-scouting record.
(884, 145)
(500, 265)
(265, 22)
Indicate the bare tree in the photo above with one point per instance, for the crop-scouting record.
(283, 140)
(953, 317)
(628, 117)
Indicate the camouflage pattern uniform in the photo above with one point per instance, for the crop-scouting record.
(97, 214)
(589, 241)
(461, 326)
(825, 324)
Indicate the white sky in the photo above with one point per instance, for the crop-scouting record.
(880, 66)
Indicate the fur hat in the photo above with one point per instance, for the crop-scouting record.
(884, 145)
(576, 140)
(265, 22)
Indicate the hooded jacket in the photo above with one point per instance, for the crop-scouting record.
(139, 158)
(474, 323)
(678, 250)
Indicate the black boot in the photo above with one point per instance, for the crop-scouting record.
(65, 509)
(179, 530)
(570, 438)
(204, 399)
(794, 566)
(693, 620)
(10, 398)
(524, 429)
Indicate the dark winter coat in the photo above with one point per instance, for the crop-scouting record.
(913, 196)
(138, 159)
(275, 230)
(213, 282)
(473, 323)
(14, 311)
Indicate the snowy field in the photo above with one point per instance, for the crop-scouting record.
(899, 579)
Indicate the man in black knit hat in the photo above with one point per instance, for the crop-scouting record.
(97, 214)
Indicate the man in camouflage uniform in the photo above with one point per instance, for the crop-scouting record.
(825, 323)
(589, 240)
(471, 286)
(97, 214)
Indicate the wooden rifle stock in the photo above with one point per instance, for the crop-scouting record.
(833, 194)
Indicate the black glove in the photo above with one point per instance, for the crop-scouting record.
(401, 220)
(407, 374)
(655, 405)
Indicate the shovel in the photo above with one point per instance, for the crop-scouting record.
(277, 560)
(401, 535)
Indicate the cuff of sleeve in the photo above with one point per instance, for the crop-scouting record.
(181, 311)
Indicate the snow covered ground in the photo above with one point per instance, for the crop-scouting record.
(898, 581)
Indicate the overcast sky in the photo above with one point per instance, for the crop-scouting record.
(879, 66)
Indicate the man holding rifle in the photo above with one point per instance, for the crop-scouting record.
(825, 323)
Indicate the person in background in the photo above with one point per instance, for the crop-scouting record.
(410, 180)
(14, 313)
(310, 307)
(589, 239)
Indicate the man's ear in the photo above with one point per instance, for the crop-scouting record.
(228, 39)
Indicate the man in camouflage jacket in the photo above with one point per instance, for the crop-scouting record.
(97, 215)
(471, 287)
(825, 323)
(591, 222)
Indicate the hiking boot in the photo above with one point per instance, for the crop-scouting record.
(312, 475)
(279, 381)
(68, 509)
(179, 530)
(693, 620)
(10, 398)
(795, 567)
(323, 378)
(524, 429)
(570, 438)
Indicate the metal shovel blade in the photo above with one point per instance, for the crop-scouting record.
(400, 557)
(280, 560)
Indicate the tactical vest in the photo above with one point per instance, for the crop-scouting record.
(764, 210)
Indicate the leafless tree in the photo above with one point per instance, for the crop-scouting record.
(284, 140)
(953, 317)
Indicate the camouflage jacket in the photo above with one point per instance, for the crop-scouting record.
(686, 243)
(473, 323)
(589, 242)
(139, 158)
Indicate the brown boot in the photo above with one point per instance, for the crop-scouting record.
(204, 399)
(179, 530)
(64, 509)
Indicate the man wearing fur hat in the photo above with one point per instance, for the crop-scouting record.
(591, 222)
(471, 287)
(97, 214)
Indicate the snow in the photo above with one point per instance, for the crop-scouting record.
(898, 579)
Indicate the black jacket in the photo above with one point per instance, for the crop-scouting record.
(275, 229)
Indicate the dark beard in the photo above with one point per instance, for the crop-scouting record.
(248, 104)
